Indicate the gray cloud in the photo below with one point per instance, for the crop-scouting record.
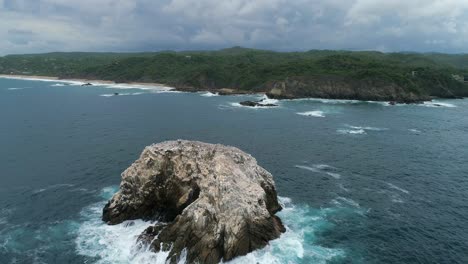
(132, 25)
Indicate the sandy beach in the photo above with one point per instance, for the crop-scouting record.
(80, 81)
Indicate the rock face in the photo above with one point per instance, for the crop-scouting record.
(336, 87)
(213, 201)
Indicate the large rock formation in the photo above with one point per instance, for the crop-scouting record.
(213, 201)
(339, 87)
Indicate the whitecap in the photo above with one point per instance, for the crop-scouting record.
(334, 175)
(393, 186)
(340, 200)
(367, 128)
(209, 94)
(324, 167)
(307, 168)
(58, 84)
(312, 113)
(435, 103)
(321, 168)
(16, 88)
(414, 130)
(351, 131)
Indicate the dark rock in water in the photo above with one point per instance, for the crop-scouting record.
(87, 84)
(256, 103)
(392, 103)
(214, 200)
(116, 93)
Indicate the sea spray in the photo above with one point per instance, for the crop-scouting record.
(118, 243)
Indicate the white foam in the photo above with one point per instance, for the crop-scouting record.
(265, 100)
(435, 103)
(58, 84)
(393, 186)
(118, 243)
(209, 94)
(352, 131)
(414, 130)
(359, 130)
(321, 168)
(16, 88)
(251, 107)
(295, 246)
(312, 113)
(334, 175)
(340, 200)
(368, 128)
(307, 168)
(113, 243)
(324, 166)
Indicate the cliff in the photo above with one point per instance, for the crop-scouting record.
(338, 87)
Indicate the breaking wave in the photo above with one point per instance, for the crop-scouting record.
(358, 130)
(209, 94)
(118, 243)
(312, 113)
(435, 103)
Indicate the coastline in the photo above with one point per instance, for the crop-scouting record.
(148, 85)
(81, 81)
(221, 91)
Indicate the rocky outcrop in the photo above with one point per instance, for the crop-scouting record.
(213, 201)
(260, 103)
(339, 87)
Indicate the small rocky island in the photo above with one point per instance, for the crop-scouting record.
(212, 201)
(259, 103)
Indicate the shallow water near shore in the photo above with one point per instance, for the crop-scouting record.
(360, 182)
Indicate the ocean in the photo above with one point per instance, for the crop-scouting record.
(360, 182)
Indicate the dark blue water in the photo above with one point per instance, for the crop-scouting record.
(361, 182)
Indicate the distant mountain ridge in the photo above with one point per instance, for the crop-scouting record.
(362, 75)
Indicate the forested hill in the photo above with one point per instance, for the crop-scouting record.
(405, 77)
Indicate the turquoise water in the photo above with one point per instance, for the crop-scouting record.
(360, 182)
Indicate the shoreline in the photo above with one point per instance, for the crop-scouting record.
(146, 85)
(81, 81)
(221, 91)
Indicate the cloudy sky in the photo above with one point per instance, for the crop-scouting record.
(32, 26)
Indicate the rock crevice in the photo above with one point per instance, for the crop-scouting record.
(213, 201)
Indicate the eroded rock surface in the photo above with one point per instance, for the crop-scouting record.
(212, 200)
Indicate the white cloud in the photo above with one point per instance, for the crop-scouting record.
(276, 24)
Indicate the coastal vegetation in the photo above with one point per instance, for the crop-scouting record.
(367, 75)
